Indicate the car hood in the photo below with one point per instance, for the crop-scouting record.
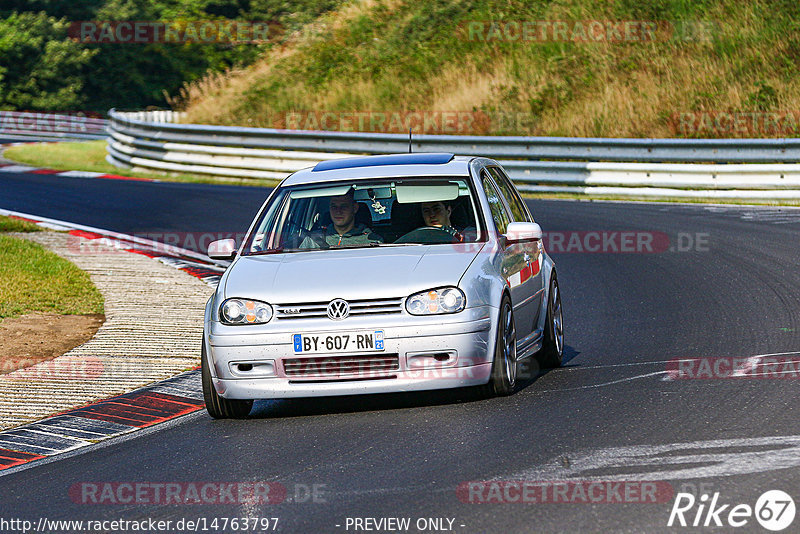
(365, 273)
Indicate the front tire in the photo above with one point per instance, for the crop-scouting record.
(219, 407)
(552, 353)
(503, 379)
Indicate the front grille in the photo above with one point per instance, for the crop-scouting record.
(318, 310)
(345, 366)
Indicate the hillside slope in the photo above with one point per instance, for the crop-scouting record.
(658, 68)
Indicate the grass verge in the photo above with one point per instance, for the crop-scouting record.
(33, 279)
(91, 156)
(10, 224)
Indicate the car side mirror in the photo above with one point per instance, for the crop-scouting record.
(223, 249)
(522, 232)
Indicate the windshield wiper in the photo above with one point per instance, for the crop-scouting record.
(374, 245)
(277, 250)
(281, 250)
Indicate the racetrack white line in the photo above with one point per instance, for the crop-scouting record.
(753, 362)
(612, 365)
(628, 379)
(171, 249)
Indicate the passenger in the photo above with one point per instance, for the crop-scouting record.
(344, 231)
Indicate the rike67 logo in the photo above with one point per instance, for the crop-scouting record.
(774, 510)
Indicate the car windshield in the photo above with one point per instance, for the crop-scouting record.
(394, 212)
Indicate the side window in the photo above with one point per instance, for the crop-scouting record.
(499, 213)
(518, 211)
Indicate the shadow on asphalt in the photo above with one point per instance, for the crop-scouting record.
(528, 373)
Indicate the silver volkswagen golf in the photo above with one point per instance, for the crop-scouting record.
(380, 274)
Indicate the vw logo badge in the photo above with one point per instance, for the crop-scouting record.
(338, 309)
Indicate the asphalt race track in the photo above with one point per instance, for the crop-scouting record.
(720, 284)
(133, 207)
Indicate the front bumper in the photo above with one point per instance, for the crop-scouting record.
(467, 338)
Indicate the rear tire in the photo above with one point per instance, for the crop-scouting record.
(552, 353)
(219, 407)
(503, 379)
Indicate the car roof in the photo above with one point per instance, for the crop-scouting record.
(383, 166)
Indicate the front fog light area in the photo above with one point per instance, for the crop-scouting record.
(243, 311)
(436, 301)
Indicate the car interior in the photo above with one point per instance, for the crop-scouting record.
(393, 220)
(393, 212)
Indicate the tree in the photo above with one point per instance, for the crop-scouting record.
(40, 67)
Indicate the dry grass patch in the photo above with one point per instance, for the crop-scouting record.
(401, 56)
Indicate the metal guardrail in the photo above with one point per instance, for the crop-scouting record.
(155, 140)
(34, 126)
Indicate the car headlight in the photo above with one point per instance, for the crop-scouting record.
(243, 311)
(436, 301)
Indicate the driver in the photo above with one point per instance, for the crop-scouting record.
(437, 214)
(344, 232)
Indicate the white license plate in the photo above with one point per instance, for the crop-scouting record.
(360, 341)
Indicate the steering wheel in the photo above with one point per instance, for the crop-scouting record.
(432, 235)
(313, 236)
